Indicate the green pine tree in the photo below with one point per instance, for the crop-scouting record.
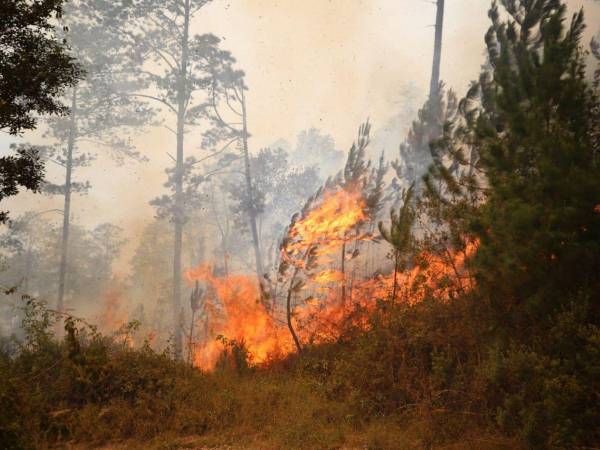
(537, 177)
(399, 235)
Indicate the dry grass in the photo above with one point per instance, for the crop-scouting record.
(277, 411)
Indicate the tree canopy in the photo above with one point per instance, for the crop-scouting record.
(35, 64)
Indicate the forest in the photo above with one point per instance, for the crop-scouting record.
(197, 253)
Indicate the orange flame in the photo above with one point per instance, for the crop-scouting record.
(234, 311)
(232, 306)
(329, 225)
(113, 315)
(442, 276)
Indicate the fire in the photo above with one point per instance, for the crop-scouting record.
(113, 316)
(233, 310)
(328, 227)
(232, 306)
(442, 276)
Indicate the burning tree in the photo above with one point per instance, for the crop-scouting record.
(319, 232)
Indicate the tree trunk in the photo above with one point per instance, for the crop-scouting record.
(28, 266)
(289, 313)
(343, 270)
(191, 339)
(251, 211)
(225, 261)
(178, 213)
(395, 277)
(437, 51)
(62, 275)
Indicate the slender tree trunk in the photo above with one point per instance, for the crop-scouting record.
(472, 161)
(289, 301)
(178, 213)
(289, 313)
(353, 274)
(251, 211)
(62, 274)
(435, 73)
(226, 263)
(343, 270)
(224, 233)
(191, 338)
(28, 265)
(437, 51)
(395, 277)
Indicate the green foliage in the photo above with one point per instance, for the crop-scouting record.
(399, 234)
(416, 153)
(539, 232)
(546, 391)
(528, 194)
(26, 169)
(35, 65)
(538, 179)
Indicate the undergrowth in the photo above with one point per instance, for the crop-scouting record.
(412, 380)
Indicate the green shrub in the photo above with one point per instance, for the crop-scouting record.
(546, 391)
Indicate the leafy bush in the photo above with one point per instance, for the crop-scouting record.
(546, 391)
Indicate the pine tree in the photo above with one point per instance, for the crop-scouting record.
(35, 64)
(416, 153)
(530, 122)
(399, 235)
(178, 80)
(101, 111)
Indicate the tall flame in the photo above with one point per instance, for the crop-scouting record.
(233, 310)
(328, 226)
(232, 306)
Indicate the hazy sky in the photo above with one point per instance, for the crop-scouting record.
(323, 63)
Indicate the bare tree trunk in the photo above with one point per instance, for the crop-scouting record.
(289, 313)
(437, 51)
(354, 263)
(395, 276)
(343, 270)
(472, 161)
(178, 213)
(289, 301)
(28, 265)
(62, 274)
(251, 211)
(191, 338)
(225, 261)
(223, 232)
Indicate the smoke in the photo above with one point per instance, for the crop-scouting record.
(315, 70)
